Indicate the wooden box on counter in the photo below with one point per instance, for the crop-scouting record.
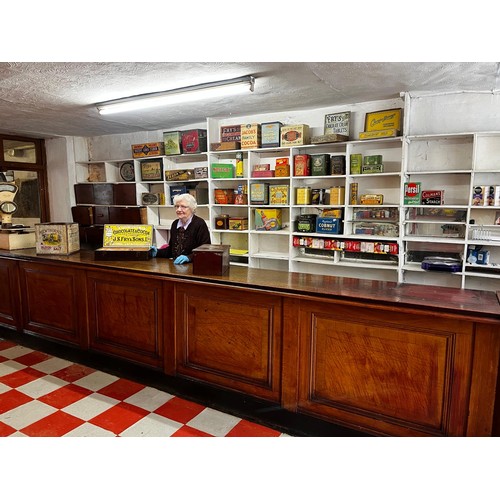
(211, 259)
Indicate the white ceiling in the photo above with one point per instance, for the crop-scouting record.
(47, 99)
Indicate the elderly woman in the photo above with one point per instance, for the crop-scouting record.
(188, 231)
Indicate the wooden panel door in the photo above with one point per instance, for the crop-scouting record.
(388, 372)
(126, 316)
(54, 301)
(231, 338)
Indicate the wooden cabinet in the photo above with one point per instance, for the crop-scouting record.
(230, 339)
(53, 299)
(126, 316)
(10, 307)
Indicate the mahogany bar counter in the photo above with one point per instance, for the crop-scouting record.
(383, 358)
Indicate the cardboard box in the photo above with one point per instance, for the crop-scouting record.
(268, 219)
(211, 259)
(294, 135)
(250, 136)
(259, 193)
(194, 141)
(147, 149)
(57, 238)
(172, 142)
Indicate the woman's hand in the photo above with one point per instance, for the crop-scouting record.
(182, 259)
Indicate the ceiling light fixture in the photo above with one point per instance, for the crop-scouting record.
(221, 88)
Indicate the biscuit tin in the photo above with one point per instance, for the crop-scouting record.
(147, 149)
(294, 135)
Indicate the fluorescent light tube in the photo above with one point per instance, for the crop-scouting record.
(186, 94)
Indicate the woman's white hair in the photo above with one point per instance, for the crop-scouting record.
(189, 199)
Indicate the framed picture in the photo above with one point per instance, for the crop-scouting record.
(337, 123)
(127, 172)
(152, 170)
(387, 119)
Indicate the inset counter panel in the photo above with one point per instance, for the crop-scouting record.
(126, 317)
(229, 338)
(53, 301)
(363, 366)
(9, 297)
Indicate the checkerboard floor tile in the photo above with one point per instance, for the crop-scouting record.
(45, 396)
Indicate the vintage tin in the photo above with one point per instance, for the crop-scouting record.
(371, 199)
(372, 160)
(353, 193)
(225, 146)
(303, 196)
(328, 225)
(238, 223)
(222, 170)
(320, 164)
(282, 168)
(413, 193)
(294, 135)
(230, 133)
(329, 138)
(172, 142)
(259, 193)
(270, 133)
(356, 160)
(278, 194)
(194, 141)
(200, 172)
(306, 223)
(337, 195)
(147, 149)
(179, 175)
(318, 196)
(153, 199)
(57, 238)
(435, 197)
(302, 165)
(176, 190)
(268, 219)
(222, 221)
(224, 196)
(250, 136)
(372, 169)
(337, 165)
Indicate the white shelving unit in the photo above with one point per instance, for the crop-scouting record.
(454, 163)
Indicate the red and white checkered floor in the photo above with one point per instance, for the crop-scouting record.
(44, 395)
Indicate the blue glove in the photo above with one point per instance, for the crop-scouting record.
(182, 259)
(153, 251)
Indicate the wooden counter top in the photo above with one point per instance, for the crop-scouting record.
(476, 303)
